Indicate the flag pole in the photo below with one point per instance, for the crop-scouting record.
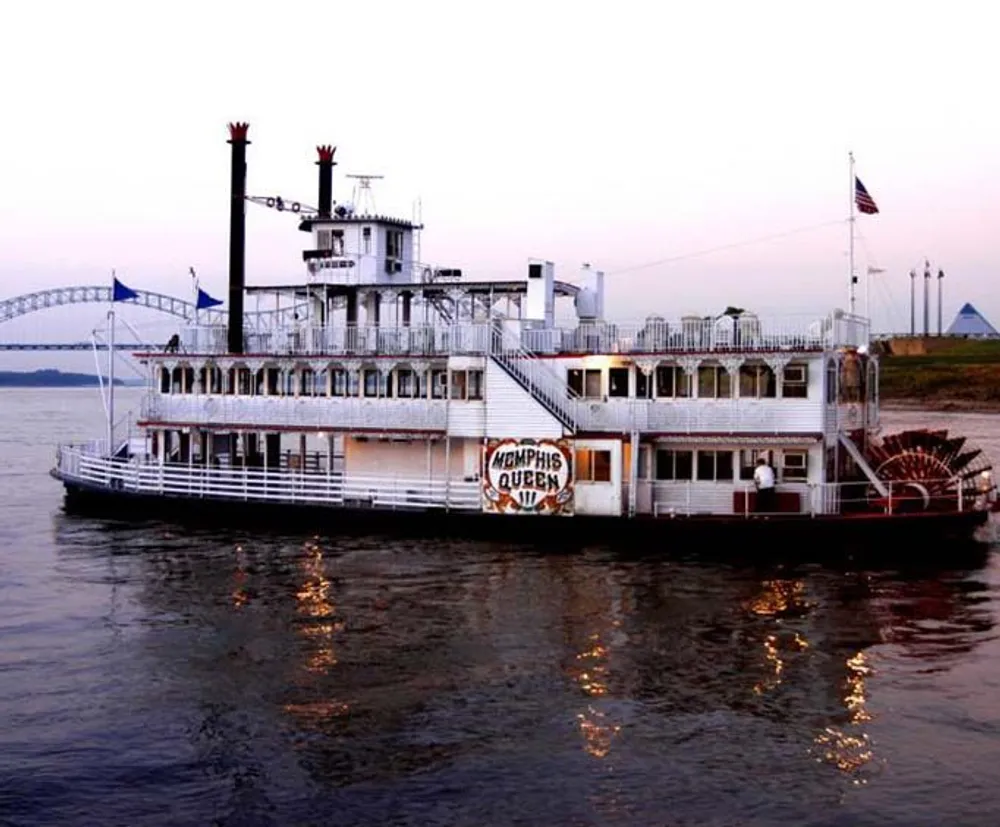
(850, 221)
(111, 370)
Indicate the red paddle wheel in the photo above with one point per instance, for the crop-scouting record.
(926, 471)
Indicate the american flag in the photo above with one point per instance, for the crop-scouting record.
(861, 197)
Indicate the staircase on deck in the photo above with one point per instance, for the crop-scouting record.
(543, 384)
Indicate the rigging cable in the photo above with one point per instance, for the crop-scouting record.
(733, 246)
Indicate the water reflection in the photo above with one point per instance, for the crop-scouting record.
(372, 662)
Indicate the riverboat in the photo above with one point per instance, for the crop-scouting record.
(392, 394)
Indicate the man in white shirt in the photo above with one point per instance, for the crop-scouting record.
(763, 480)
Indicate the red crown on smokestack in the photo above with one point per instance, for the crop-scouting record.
(238, 131)
(325, 153)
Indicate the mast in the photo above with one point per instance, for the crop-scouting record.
(913, 300)
(111, 379)
(927, 297)
(940, 278)
(850, 222)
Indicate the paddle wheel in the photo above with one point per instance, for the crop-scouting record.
(926, 470)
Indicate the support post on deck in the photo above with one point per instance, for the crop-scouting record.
(447, 471)
(633, 473)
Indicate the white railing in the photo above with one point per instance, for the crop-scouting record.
(725, 334)
(297, 412)
(244, 483)
(85, 464)
(691, 497)
(352, 340)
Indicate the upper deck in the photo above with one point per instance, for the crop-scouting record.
(655, 336)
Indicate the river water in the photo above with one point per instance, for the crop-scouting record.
(151, 675)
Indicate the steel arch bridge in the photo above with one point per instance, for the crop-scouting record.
(92, 294)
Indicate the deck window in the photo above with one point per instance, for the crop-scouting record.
(618, 382)
(757, 382)
(795, 384)
(475, 384)
(643, 387)
(459, 384)
(164, 380)
(794, 465)
(714, 382)
(748, 461)
(715, 466)
(672, 381)
(338, 382)
(593, 466)
(406, 384)
(831, 382)
(306, 380)
(439, 384)
(586, 383)
(642, 472)
(371, 383)
(273, 377)
(243, 385)
(674, 465)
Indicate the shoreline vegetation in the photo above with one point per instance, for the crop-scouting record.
(49, 378)
(940, 373)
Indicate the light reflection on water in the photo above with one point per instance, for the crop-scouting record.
(152, 675)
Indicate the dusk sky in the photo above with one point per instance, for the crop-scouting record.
(618, 134)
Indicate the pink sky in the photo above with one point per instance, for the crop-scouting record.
(615, 134)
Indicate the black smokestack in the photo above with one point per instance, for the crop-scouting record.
(326, 165)
(237, 233)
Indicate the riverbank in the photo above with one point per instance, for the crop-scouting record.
(954, 375)
(941, 406)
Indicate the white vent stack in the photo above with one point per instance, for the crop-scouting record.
(590, 299)
(541, 298)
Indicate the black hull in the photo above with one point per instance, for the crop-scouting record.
(923, 537)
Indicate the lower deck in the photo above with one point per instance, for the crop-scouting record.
(563, 477)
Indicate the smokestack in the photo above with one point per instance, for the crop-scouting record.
(940, 291)
(237, 233)
(326, 165)
(927, 298)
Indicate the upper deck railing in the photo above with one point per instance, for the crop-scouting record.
(690, 335)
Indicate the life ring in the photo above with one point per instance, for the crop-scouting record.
(269, 202)
(296, 206)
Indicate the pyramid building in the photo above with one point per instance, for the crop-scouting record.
(971, 323)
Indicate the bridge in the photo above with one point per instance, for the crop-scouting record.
(159, 302)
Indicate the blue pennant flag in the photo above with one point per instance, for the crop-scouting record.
(205, 300)
(121, 293)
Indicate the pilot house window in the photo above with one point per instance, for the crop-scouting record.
(393, 251)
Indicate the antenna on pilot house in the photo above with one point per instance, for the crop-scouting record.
(361, 195)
